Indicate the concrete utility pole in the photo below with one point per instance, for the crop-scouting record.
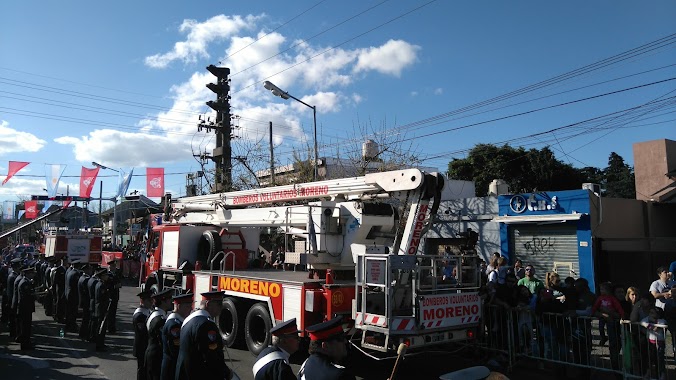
(272, 159)
(223, 151)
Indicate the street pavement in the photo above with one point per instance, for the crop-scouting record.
(69, 357)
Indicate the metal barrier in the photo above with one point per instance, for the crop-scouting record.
(633, 350)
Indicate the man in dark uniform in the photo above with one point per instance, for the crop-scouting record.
(60, 290)
(273, 362)
(91, 290)
(83, 300)
(25, 308)
(72, 296)
(171, 335)
(9, 294)
(47, 278)
(201, 353)
(154, 325)
(4, 273)
(15, 303)
(139, 319)
(327, 348)
(115, 283)
(101, 304)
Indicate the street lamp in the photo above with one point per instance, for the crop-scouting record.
(276, 91)
(113, 237)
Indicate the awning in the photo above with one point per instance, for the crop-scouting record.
(548, 218)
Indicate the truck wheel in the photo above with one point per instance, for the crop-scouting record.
(208, 246)
(230, 322)
(258, 325)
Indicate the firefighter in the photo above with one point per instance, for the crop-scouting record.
(4, 274)
(200, 355)
(273, 362)
(328, 348)
(139, 319)
(171, 335)
(9, 294)
(15, 301)
(72, 297)
(101, 305)
(48, 300)
(154, 324)
(115, 283)
(60, 290)
(25, 308)
(91, 291)
(83, 300)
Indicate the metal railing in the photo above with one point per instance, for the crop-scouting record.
(633, 350)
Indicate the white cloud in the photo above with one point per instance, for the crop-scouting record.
(414, 93)
(14, 141)
(356, 98)
(200, 34)
(438, 91)
(124, 149)
(390, 58)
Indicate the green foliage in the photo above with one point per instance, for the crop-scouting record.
(538, 170)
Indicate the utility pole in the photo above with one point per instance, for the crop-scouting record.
(272, 159)
(223, 151)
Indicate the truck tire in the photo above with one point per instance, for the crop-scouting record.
(208, 246)
(257, 328)
(231, 322)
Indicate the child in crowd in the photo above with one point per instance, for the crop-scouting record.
(607, 308)
(656, 327)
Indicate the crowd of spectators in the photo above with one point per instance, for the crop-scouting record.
(561, 320)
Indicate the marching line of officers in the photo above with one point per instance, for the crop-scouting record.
(184, 345)
(63, 289)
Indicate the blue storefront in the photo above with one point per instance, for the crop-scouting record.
(549, 230)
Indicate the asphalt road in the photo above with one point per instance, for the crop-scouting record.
(69, 357)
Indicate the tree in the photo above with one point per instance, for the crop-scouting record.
(523, 170)
(619, 178)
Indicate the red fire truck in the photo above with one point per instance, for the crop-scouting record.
(353, 247)
(80, 246)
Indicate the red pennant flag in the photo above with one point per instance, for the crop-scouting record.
(14, 167)
(87, 181)
(155, 182)
(31, 209)
(66, 203)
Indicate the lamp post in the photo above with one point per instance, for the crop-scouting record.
(276, 91)
(114, 233)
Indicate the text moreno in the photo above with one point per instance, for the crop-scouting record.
(416, 235)
(261, 288)
(271, 196)
(450, 312)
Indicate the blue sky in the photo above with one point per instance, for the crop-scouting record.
(123, 83)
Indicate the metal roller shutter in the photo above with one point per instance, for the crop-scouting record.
(547, 247)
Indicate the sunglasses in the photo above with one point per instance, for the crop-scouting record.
(529, 269)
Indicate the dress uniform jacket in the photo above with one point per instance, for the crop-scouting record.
(83, 303)
(4, 274)
(273, 364)
(72, 296)
(171, 342)
(319, 366)
(153, 356)
(25, 309)
(48, 301)
(201, 353)
(9, 294)
(101, 302)
(91, 290)
(60, 292)
(139, 319)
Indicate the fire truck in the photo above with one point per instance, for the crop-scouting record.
(84, 247)
(354, 247)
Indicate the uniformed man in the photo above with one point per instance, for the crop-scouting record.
(91, 290)
(101, 304)
(273, 362)
(83, 300)
(60, 290)
(200, 355)
(171, 335)
(327, 349)
(15, 268)
(15, 302)
(139, 319)
(25, 308)
(154, 324)
(72, 297)
(4, 273)
(48, 301)
(115, 283)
